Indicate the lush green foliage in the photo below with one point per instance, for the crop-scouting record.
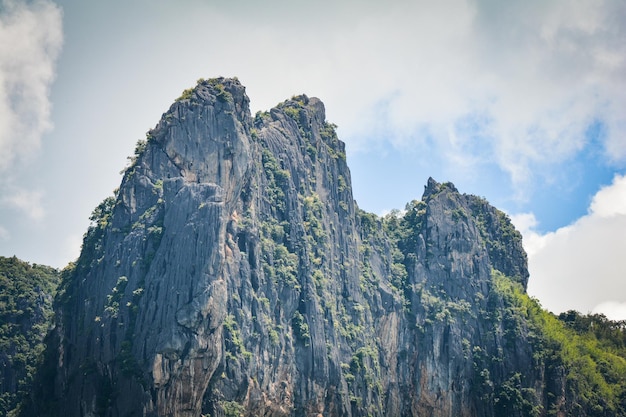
(594, 361)
(218, 89)
(610, 334)
(26, 293)
(232, 408)
(186, 94)
(277, 182)
(301, 328)
(235, 348)
(403, 230)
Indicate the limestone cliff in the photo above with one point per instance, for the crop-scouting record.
(233, 274)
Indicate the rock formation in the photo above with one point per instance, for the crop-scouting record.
(233, 274)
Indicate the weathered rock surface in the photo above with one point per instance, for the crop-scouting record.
(233, 274)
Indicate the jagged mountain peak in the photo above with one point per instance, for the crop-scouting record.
(433, 187)
(233, 274)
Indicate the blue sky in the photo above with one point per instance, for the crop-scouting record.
(520, 102)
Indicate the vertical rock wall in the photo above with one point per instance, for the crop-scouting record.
(233, 274)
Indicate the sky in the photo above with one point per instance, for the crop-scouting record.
(521, 102)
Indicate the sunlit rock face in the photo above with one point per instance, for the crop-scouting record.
(233, 274)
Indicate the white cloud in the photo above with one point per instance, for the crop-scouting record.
(581, 266)
(31, 34)
(479, 82)
(612, 309)
(464, 82)
(4, 233)
(610, 201)
(517, 83)
(27, 202)
(533, 241)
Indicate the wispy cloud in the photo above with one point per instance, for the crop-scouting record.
(582, 266)
(474, 83)
(4, 233)
(31, 34)
(27, 202)
(516, 83)
(612, 309)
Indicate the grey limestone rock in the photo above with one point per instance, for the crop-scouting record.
(233, 274)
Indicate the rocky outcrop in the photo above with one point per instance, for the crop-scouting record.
(233, 274)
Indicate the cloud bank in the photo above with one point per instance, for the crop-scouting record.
(31, 34)
(518, 84)
(582, 266)
(471, 89)
(25, 202)
(475, 84)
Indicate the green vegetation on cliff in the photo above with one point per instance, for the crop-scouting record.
(232, 274)
(26, 293)
(590, 350)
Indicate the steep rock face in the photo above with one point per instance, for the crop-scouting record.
(233, 273)
(450, 333)
(141, 324)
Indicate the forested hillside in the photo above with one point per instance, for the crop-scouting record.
(26, 294)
